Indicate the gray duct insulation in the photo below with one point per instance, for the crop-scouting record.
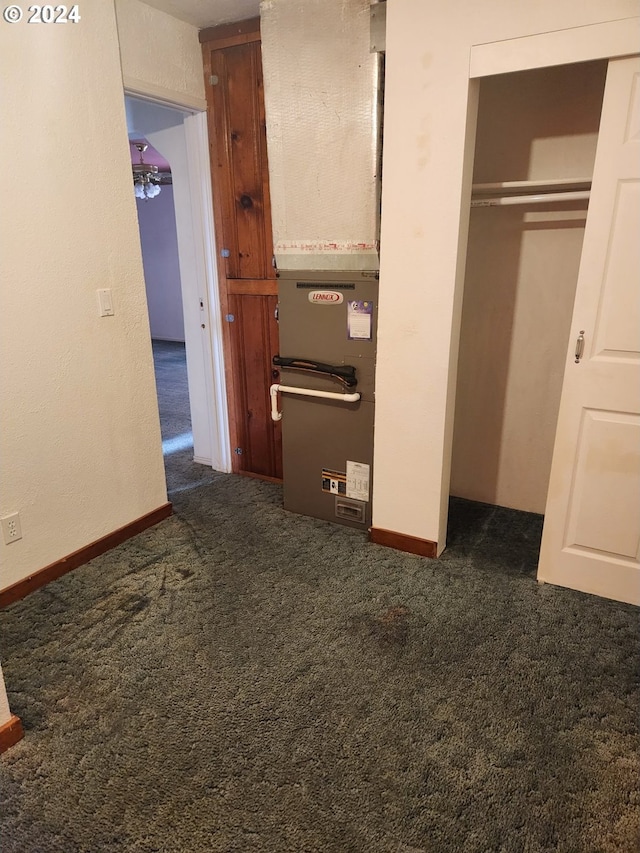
(322, 93)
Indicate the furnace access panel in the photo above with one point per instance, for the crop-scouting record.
(328, 319)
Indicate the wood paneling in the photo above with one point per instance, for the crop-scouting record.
(255, 342)
(240, 162)
(225, 35)
(242, 215)
(247, 287)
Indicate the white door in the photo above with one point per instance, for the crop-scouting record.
(591, 536)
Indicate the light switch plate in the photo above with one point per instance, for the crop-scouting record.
(105, 302)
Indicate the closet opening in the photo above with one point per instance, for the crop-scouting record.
(534, 128)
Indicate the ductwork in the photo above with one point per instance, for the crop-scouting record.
(322, 86)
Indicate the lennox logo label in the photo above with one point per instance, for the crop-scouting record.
(325, 297)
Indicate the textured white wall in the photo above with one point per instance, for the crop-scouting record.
(320, 83)
(423, 235)
(80, 448)
(161, 56)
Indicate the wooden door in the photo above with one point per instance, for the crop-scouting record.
(254, 343)
(591, 537)
(242, 213)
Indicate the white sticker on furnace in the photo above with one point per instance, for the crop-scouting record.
(359, 320)
(358, 481)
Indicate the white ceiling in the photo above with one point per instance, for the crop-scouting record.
(208, 13)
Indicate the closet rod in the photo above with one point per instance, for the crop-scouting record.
(551, 184)
(498, 201)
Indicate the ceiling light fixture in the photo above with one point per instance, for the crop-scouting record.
(146, 180)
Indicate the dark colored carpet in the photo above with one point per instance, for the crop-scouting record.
(240, 678)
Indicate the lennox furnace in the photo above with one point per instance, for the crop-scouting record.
(322, 83)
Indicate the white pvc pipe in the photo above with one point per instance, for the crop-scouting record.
(498, 201)
(305, 392)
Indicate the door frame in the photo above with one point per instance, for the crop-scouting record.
(200, 292)
(559, 47)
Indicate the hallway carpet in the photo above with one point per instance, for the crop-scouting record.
(240, 678)
(170, 363)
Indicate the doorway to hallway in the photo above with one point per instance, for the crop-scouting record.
(180, 137)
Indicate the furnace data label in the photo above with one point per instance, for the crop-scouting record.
(334, 482)
(359, 320)
(358, 474)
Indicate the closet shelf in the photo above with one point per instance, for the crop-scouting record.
(530, 192)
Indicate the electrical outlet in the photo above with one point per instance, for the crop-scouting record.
(11, 529)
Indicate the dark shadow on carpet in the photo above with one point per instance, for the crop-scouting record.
(494, 537)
